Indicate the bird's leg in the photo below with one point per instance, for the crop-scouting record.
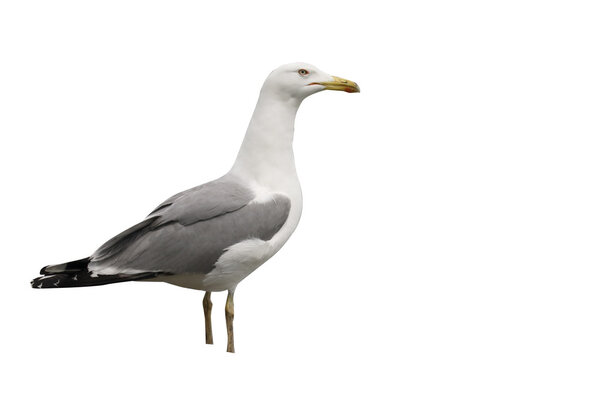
(207, 322)
(229, 321)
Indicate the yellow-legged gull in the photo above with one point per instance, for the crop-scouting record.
(212, 236)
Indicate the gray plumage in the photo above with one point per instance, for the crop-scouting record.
(187, 233)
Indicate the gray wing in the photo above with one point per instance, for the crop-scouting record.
(191, 230)
(204, 202)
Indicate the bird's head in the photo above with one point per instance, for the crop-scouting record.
(300, 80)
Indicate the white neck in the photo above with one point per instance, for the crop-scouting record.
(266, 155)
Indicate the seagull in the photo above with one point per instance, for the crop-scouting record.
(212, 236)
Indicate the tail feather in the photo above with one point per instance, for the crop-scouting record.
(76, 274)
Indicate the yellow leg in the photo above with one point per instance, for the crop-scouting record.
(207, 321)
(229, 321)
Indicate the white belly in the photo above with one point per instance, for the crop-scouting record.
(239, 261)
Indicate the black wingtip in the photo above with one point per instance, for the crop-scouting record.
(85, 278)
(71, 267)
(48, 281)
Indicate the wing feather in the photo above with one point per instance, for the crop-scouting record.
(190, 231)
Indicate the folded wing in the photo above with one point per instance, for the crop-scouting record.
(189, 232)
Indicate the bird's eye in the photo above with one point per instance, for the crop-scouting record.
(303, 72)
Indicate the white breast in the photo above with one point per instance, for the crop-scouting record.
(241, 259)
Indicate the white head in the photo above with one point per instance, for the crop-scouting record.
(296, 81)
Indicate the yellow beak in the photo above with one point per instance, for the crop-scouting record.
(339, 84)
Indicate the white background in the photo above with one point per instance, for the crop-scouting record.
(449, 242)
